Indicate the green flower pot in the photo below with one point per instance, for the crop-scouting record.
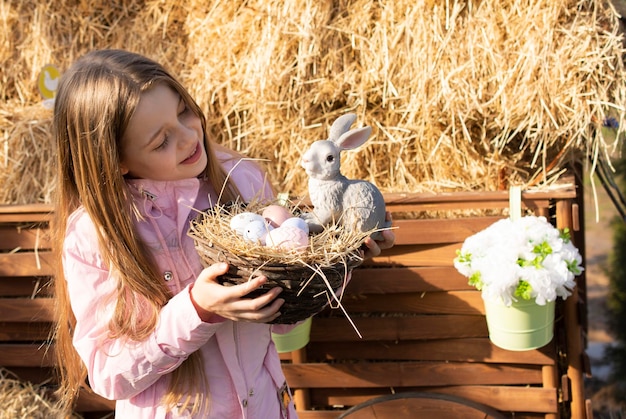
(295, 339)
(523, 326)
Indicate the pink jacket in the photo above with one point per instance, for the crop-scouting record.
(242, 365)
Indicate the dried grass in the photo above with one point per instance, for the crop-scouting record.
(462, 95)
(26, 158)
(334, 245)
(21, 399)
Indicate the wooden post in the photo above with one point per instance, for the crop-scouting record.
(550, 380)
(300, 396)
(572, 327)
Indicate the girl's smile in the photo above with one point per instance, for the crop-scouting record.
(197, 153)
(164, 139)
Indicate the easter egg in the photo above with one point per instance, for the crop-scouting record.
(276, 214)
(239, 222)
(287, 238)
(256, 231)
(296, 222)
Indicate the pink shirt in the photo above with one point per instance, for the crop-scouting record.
(241, 363)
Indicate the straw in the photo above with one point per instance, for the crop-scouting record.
(22, 399)
(472, 95)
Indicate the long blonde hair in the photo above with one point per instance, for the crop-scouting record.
(95, 101)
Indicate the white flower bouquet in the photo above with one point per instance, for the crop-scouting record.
(523, 259)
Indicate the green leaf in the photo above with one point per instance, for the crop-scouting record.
(523, 290)
(572, 266)
(476, 281)
(463, 257)
(543, 249)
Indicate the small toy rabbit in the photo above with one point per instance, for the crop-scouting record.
(337, 199)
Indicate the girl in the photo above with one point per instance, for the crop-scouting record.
(137, 313)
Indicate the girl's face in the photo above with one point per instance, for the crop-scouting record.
(164, 138)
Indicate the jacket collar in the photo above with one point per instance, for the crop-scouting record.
(173, 199)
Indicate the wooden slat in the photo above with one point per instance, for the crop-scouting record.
(26, 264)
(25, 286)
(26, 355)
(422, 407)
(479, 350)
(544, 400)
(453, 302)
(397, 328)
(403, 374)
(476, 200)
(504, 398)
(36, 375)
(26, 213)
(26, 309)
(433, 231)
(419, 255)
(320, 414)
(24, 332)
(14, 237)
(406, 279)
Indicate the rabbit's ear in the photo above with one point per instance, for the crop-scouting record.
(341, 126)
(354, 138)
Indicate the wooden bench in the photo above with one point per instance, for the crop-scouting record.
(423, 328)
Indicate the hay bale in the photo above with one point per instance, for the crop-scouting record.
(462, 95)
(27, 160)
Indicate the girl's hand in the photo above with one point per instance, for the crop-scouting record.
(212, 299)
(373, 247)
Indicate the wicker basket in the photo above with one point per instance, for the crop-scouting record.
(306, 284)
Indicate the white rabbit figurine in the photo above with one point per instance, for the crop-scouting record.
(337, 199)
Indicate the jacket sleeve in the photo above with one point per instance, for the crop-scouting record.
(119, 368)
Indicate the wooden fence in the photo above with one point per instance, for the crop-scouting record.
(423, 328)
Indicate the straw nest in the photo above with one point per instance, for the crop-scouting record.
(310, 277)
(462, 95)
(21, 399)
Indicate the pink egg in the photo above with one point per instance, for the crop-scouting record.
(276, 214)
(287, 238)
